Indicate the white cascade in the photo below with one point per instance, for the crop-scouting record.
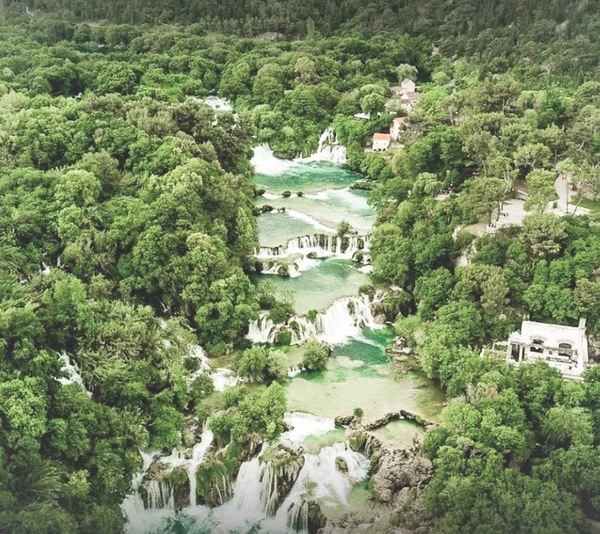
(329, 149)
(140, 520)
(244, 508)
(160, 495)
(73, 372)
(304, 425)
(198, 452)
(323, 244)
(343, 320)
(319, 479)
(260, 330)
(265, 162)
(224, 378)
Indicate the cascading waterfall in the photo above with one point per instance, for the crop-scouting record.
(198, 452)
(259, 331)
(222, 378)
(329, 149)
(265, 162)
(301, 253)
(73, 372)
(319, 479)
(160, 494)
(138, 518)
(323, 245)
(304, 425)
(344, 319)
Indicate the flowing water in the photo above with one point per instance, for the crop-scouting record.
(326, 277)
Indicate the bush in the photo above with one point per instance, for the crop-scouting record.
(315, 355)
(284, 338)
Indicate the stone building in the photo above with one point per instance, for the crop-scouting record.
(562, 347)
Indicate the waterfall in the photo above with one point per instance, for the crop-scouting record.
(224, 378)
(329, 149)
(198, 453)
(300, 254)
(160, 494)
(245, 506)
(304, 425)
(265, 162)
(319, 479)
(215, 102)
(268, 492)
(139, 520)
(259, 330)
(344, 319)
(73, 372)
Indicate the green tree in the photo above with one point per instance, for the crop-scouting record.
(316, 355)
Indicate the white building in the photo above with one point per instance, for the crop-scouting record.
(406, 86)
(381, 142)
(409, 100)
(395, 128)
(562, 347)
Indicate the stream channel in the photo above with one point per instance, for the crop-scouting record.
(325, 277)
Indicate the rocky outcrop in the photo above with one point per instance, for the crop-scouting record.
(400, 475)
(353, 422)
(410, 513)
(400, 468)
(341, 465)
(316, 518)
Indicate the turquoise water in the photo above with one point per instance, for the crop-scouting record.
(359, 373)
(329, 207)
(276, 229)
(307, 177)
(369, 350)
(319, 287)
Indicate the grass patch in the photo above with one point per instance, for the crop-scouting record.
(591, 205)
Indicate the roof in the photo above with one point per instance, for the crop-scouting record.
(382, 137)
(412, 95)
(406, 80)
(397, 89)
(364, 116)
(399, 120)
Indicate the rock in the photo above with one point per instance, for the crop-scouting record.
(398, 469)
(410, 512)
(357, 441)
(380, 319)
(341, 464)
(316, 518)
(343, 420)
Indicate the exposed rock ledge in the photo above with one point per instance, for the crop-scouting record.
(352, 421)
(400, 475)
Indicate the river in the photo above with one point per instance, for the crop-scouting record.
(300, 233)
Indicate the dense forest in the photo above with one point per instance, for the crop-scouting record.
(127, 228)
